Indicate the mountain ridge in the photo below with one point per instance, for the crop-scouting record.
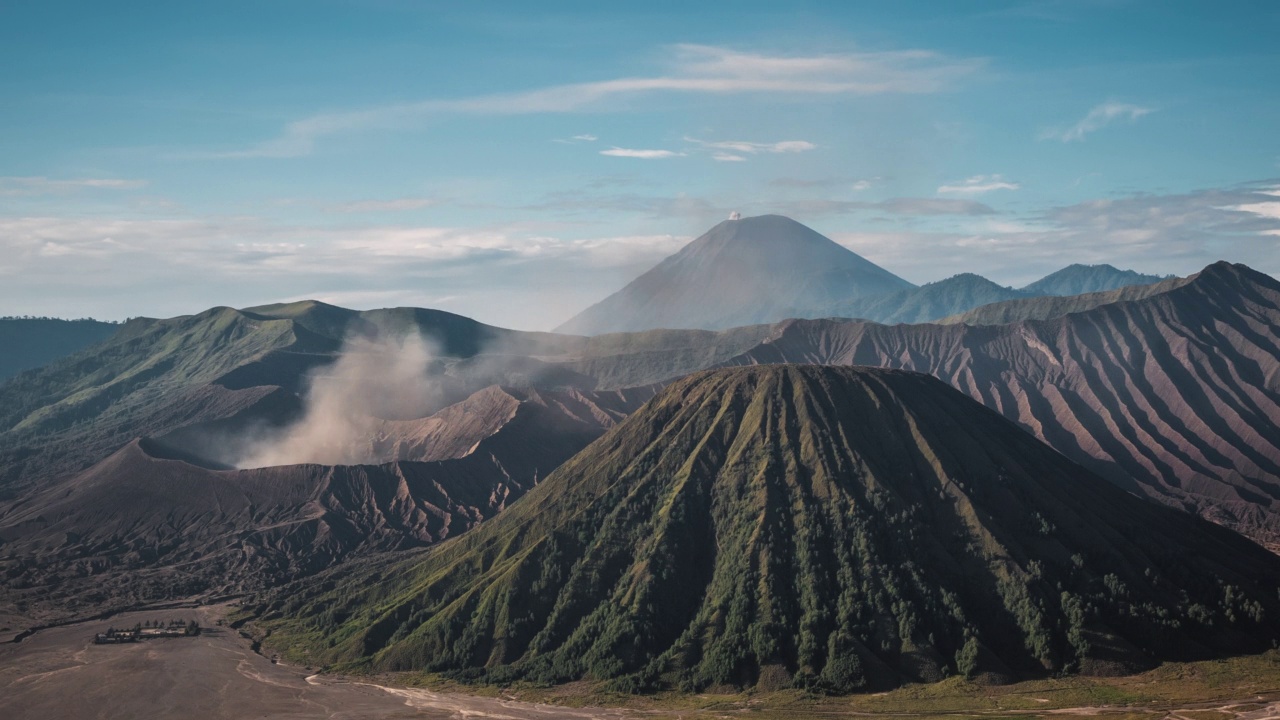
(1079, 279)
(837, 529)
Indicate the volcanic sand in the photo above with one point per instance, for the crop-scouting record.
(60, 673)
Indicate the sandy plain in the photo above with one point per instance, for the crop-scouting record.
(58, 673)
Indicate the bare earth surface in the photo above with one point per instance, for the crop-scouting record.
(58, 673)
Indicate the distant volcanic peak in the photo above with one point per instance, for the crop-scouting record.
(830, 528)
(779, 233)
(1234, 272)
(741, 272)
(966, 277)
(1078, 279)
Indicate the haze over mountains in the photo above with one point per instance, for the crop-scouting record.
(769, 268)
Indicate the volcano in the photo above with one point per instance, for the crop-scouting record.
(741, 272)
(828, 528)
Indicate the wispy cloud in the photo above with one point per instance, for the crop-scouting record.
(523, 275)
(978, 185)
(574, 140)
(728, 157)
(397, 205)
(692, 69)
(40, 185)
(641, 154)
(1098, 118)
(752, 148)
(1158, 234)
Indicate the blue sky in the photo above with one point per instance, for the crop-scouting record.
(515, 165)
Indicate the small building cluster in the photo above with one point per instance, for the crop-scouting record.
(147, 631)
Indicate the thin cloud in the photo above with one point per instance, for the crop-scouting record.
(641, 154)
(978, 185)
(728, 157)
(574, 140)
(1098, 118)
(752, 148)
(692, 69)
(397, 205)
(40, 185)
(1157, 234)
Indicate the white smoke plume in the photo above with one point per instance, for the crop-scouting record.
(371, 381)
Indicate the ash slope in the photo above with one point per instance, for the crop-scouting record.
(1176, 395)
(144, 526)
(836, 528)
(741, 272)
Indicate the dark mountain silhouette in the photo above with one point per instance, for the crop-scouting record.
(832, 528)
(741, 272)
(34, 342)
(1080, 279)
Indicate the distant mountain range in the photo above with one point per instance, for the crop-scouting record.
(33, 342)
(770, 268)
(110, 456)
(832, 529)
(1173, 394)
(1081, 279)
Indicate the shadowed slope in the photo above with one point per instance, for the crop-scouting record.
(839, 528)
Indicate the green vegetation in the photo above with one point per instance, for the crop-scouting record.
(151, 377)
(829, 530)
(1196, 689)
